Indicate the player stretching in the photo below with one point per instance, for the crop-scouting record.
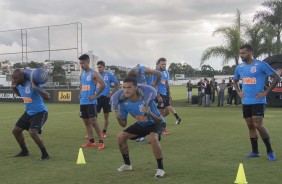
(148, 123)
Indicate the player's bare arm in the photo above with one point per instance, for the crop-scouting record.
(275, 80)
(98, 79)
(121, 121)
(237, 88)
(44, 94)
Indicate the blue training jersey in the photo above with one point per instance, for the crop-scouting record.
(108, 78)
(32, 99)
(88, 87)
(162, 88)
(253, 79)
(136, 109)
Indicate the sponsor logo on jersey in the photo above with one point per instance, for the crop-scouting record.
(248, 80)
(85, 88)
(141, 118)
(27, 99)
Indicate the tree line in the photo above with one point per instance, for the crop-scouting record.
(264, 33)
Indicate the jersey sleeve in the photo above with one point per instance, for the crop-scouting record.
(266, 68)
(236, 73)
(113, 79)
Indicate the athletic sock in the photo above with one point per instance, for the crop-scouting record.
(176, 116)
(104, 131)
(254, 142)
(24, 148)
(91, 140)
(126, 159)
(160, 163)
(268, 145)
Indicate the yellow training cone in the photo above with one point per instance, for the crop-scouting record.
(241, 178)
(80, 158)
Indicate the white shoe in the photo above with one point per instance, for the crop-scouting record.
(124, 167)
(160, 173)
(177, 121)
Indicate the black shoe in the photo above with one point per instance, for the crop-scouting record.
(45, 157)
(22, 154)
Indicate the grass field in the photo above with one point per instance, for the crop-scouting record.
(206, 148)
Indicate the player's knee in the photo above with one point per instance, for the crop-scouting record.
(16, 131)
(121, 136)
(33, 132)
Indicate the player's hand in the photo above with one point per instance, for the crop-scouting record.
(160, 99)
(91, 97)
(261, 94)
(241, 94)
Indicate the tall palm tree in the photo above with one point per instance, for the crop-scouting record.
(255, 35)
(271, 16)
(233, 41)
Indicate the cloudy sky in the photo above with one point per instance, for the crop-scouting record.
(121, 32)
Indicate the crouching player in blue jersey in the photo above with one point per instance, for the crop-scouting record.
(35, 114)
(148, 123)
(253, 73)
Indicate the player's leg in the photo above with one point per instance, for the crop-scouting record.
(258, 113)
(123, 146)
(22, 124)
(107, 109)
(247, 114)
(98, 132)
(157, 150)
(36, 124)
(86, 114)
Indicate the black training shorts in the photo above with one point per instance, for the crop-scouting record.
(103, 102)
(143, 131)
(165, 103)
(35, 121)
(253, 110)
(88, 111)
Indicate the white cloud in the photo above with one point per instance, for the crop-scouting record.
(126, 32)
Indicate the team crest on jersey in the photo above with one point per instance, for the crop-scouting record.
(27, 89)
(253, 69)
(88, 78)
(106, 77)
(141, 108)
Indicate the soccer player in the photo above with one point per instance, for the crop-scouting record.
(88, 100)
(164, 96)
(104, 97)
(253, 73)
(35, 115)
(148, 121)
(144, 75)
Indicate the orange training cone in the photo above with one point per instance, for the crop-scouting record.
(241, 178)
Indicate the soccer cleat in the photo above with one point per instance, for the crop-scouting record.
(178, 121)
(271, 156)
(140, 139)
(103, 135)
(22, 154)
(165, 132)
(44, 157)
(101, 145)
(160, 173)
(124, 167)
(252, 155)
(88, 144)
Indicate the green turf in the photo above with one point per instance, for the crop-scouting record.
(206, 148)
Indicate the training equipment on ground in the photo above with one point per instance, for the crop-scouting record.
(80, 157)
(147, 92)
(37, 76)
(241, 178)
